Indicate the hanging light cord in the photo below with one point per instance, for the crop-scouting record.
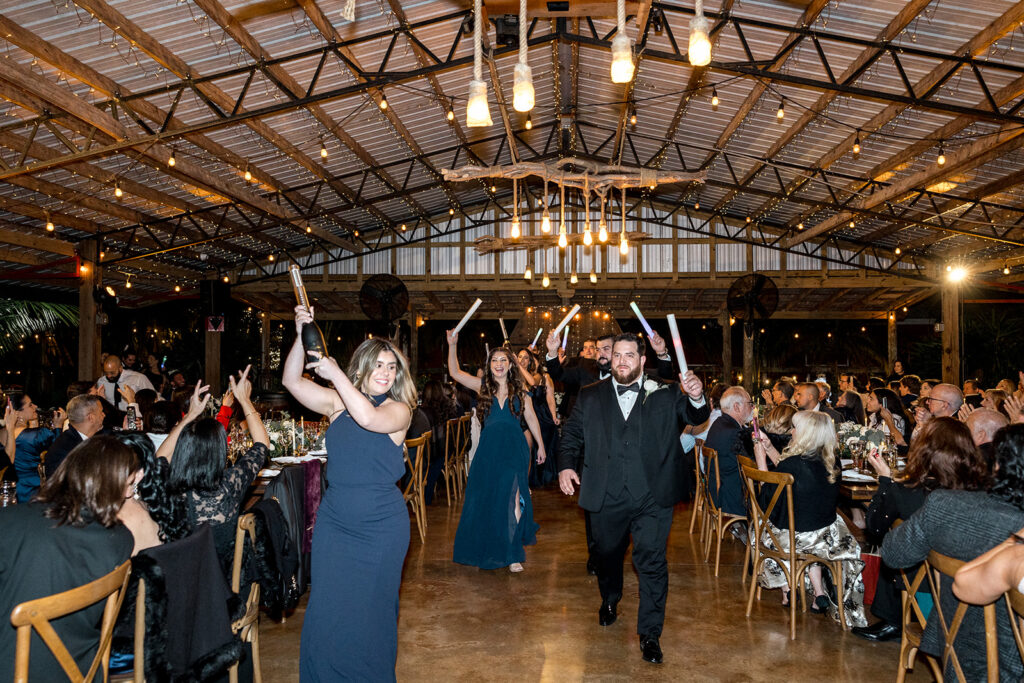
(522, 31)
(478, 50)
(620, 15)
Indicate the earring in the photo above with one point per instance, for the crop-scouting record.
(135, 490)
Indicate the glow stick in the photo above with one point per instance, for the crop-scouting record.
(565, 337)
(504, 334)
(643, 320)
(469, 314)
(566, 319)
(677, 342)
(487, 350)
(536, 337)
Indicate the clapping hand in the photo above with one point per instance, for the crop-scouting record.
(766, 394)
(200, 397)
(965, 412)
(1014, 405)
(9, 415)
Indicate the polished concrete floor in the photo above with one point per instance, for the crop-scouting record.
(462, 624)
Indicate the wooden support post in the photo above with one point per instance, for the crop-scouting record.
(211, 364)
(951, 334)
(265, 352)
(748, 363)
(88, 329)
(891, 336)
(723, 319)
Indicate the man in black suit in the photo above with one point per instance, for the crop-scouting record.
(85, 415)
(729, 438)
(627, 430)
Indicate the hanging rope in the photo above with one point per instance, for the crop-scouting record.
(522, 32)
(478, 49)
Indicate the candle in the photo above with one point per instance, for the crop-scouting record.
(536, 337)
(504, 334)
(643, 321)
(302, 434)
(565, 337)
(469, 314)
(566, 319)
(293, 436)
(677, 342)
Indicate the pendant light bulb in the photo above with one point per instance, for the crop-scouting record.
(856, 145)
(528, 273)
(323, 150)
(529, 122)
(714, 99)
(602, 233)
(622, 58)
(248, 174)
(573, 279)
(588, 237)
(941, 160)
(623, 245)
(546, 282)
(632, 115)
(700, 44)
(545, 221)
(383, 102)
(593, 277)
(117, 191)
(450, 115)
(478, 114)
(781, 113)
(49, 223)
(563, 241)
(516, 231)
(171, 160)
(522, 88)
(1006, 270)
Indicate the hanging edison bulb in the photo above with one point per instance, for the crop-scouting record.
(588, 238)
(545, 220)
(563, 241)
(522, 90)
(478, 114)
(546, 282)
(700, 43)
(516, 229)
(593, 277)
(623, 244)
(528, 273)
(516, 232)
(602, 232)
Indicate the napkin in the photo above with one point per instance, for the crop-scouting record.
(857, 476)
(267, 474)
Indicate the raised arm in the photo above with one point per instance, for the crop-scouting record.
(308, 393)
(458, 374)
(987, 577)
(531, 422)
(390, 417)
(241, 391)
(195, 408)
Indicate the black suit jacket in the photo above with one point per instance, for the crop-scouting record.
(575, 376)
(729, 439)
(60, 448)
(663, 413)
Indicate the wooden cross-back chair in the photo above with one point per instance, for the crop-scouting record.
(798, 563)
(41, 467)
(913, 623)
(942, 565)
(718, 521)
(452, 439)
(744, 461)
(699, 512)
(247, 627)
(1015, 607)
(462, 457)
(414, 493)
(36, 615)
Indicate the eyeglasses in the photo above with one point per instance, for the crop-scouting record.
(929, 399)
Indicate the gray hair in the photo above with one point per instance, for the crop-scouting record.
(731, 397)
(79, 407)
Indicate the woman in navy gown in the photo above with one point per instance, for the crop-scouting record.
(27, 441)
(350, 631)
(497, 515)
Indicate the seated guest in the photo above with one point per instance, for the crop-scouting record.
(987, 577)
(877, 383)
(885, 412)
(1007, 386)
(993, 400)
(116, 377)
(963, 525)
(944, 400)
(729, 438)
(85, 413)
(715, 403)
(848, 382)
(824, 391)
(909, 390)
(810, 458)
(197, 450)
(67, 536)
(152, 514)
(897, 371)
(851, 407)
(27, 441)
(984, 424)
(160, 420)
(926, 387)
(972, 387)
(778, 425)
(782, 392)
(942, 457)
(808, 397)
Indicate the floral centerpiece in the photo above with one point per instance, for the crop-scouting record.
(283, 437)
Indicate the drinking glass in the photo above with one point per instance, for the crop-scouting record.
(8, 494)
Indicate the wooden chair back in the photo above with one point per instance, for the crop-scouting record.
(942, 565)
(913, 622)
(465, 439)
(37, 614)
(1015, 607)
(247, 626)
(416, 452)
(41, 467)
(712, 477)
(452, 439)
(700, 486)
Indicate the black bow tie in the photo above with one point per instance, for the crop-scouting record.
(634, 387)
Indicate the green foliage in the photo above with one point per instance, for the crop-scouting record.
(20, 319)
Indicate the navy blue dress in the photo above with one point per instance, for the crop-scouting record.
(350, 631)
(28, 447)
(488, 535)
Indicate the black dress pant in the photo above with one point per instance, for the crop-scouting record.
(621, 517)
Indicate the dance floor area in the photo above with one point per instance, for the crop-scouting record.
(462, 624)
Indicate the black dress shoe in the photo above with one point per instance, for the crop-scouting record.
(607, 615)
(880, 632)
(650, 649)
(591, 566)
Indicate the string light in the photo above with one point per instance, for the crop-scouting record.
(696, 205)
(781, 113)
(529, 122)
(49, 224)
(128, 282)
(450, 114)
(226, 279)
(699, 52)
(522, 88)
(714, 99)
(856, 144)
(632, 114)
(799, 226)
(271, 258)
(117, 190)
(383, 104)
(248, 173)
(478, 114)
(403, 227)
(623, 68)
(177, 288)
(323, 149)
(941, 159)
(171, 160)
(1006, 270)
(897, 251)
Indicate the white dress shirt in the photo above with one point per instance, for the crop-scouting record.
(627, 399)
(128, 378)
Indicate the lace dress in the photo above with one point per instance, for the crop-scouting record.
(222, 505)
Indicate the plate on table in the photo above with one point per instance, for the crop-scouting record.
(268, 473)
(858, 477)
(295, 459)
(846, 462)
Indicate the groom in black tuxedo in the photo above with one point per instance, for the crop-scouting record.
(627, 428)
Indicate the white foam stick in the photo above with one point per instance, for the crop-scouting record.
(566, 319)
(643, 320)
(469, 314)
(504, 334)
(487, 350)
(565, 337)
(536, 337)
(677, 342)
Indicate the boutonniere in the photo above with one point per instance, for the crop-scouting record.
(650, 386)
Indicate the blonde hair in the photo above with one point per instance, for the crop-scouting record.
(365, 359)
(814, 434)
(779, 420)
